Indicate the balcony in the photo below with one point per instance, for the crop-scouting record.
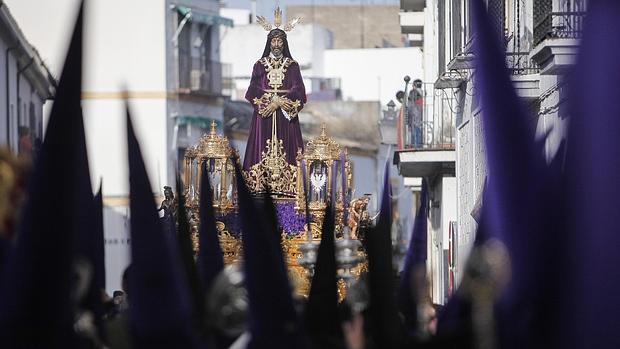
(559, 25)
(412, 25)
(412, 5)
(428, 132)
(417, 164)
(412, 22)
(436, 108)
(556, 39)
(198, 76)
(524, 72)
(519, 63)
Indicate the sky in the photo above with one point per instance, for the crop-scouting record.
(266, 7)
(59, 28)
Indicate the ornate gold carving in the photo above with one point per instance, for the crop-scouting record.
(216, 150)
(298, 274)
(276, 70)
(342, 290)
(315, 228)
(322, 148)
(292, 106)
(232, 247)
(292, 253)
(194, 224)
(273, 173)
(277, 21)
(263, 22)
(262, 104)
(290, 25)
(325, 151)
(277, 17)
(212, 145)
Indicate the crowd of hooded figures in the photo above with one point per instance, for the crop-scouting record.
(542, 272)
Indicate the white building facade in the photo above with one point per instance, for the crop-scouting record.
(541, 38)
(161, 56)
(25, 86)
(427, 149)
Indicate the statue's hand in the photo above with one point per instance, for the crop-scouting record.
(269, 109)
(286, 104)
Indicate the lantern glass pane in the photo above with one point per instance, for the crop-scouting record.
(317, 181)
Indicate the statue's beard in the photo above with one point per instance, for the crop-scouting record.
(276, 52)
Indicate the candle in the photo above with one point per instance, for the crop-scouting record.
(344, 186)
(333, 184)
(304, 180)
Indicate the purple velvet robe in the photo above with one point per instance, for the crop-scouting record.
(260, 130)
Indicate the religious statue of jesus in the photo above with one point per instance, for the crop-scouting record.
(277, 93)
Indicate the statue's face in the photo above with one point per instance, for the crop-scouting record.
(276, 46)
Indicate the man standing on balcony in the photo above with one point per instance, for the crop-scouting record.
(277, 93)
(416, 104)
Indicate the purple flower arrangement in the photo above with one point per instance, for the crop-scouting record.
(291, 222)
(231, 221)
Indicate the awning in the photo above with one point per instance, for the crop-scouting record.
(199, 121)
(202, 16)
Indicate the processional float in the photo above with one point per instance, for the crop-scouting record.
(323, 174)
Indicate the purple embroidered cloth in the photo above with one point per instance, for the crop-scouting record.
(260, 130)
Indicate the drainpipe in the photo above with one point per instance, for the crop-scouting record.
(19, 73)
(174, 156)
(8, 95)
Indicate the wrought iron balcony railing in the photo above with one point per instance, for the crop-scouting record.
(519, 63)
(430, 122)
(567, 25)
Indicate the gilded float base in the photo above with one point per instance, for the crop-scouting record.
(232, 248)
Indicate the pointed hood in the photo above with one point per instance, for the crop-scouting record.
(322, 314)
(99, 238)
(512, 155)
(454, 321)
(385, 324)
(592, 191)
(186, 251)
(5, 247)
(160, 314)
(210, 255)
(415, 259)
(35, 294)
(520, 197)
(271, 217)
(273, 322)
(90, 247)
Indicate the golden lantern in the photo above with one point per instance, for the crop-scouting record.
(325, 175)
(212, 156)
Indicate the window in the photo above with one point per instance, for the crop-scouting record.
(195, 56)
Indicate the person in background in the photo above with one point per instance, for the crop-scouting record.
(415, 110)
(117, 326)
(26, 145)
